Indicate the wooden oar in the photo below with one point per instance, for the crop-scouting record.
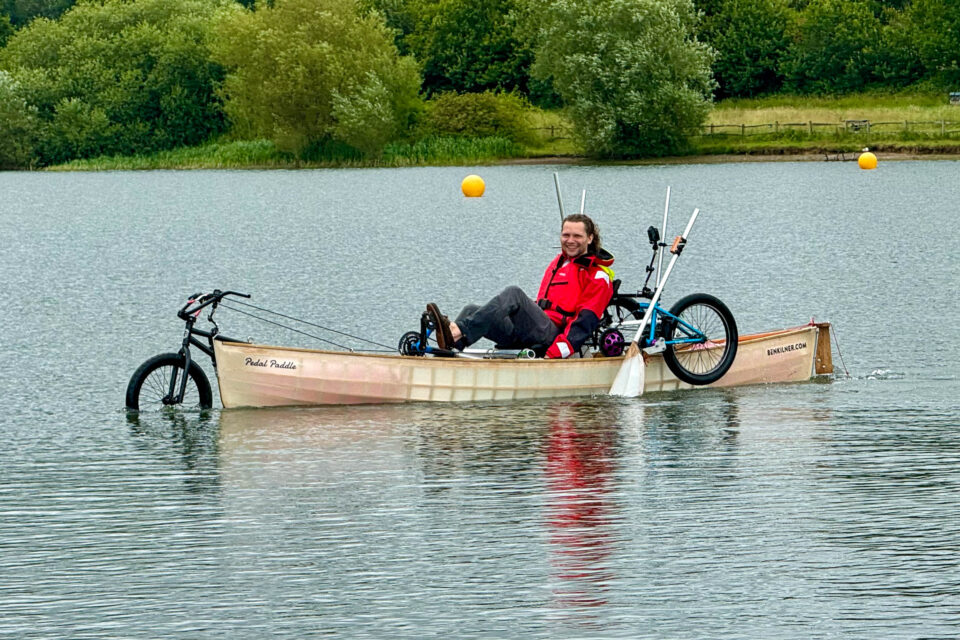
(629, 380)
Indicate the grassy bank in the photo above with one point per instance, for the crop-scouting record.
(782, 125)
(263, 154)
(899, 123)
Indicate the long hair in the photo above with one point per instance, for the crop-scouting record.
(589, 226)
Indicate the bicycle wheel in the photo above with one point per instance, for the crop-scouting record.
(149, 387)
(705, 317)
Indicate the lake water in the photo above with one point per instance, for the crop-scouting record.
(816, 510)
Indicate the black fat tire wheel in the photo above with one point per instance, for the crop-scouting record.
(150, 384)
(692, 363)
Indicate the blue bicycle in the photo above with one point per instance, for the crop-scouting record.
(697, 335)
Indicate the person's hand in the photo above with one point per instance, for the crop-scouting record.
(561, 348)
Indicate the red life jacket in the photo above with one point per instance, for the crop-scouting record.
(571, 286)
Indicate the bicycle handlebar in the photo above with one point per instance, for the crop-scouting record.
(203, 300)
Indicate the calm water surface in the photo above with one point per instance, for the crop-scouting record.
(817, 510)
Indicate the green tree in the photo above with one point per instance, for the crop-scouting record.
(934, 27)
(119, 76)
(18, 125)
(307, 72)
(21, 12)
(632, 74)
(897, 60)
(833, 47)
(470, 46)
(6, 30)
(750, 38)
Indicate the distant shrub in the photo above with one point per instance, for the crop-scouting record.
(18, 125)
(479, 115)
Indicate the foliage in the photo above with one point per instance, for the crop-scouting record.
(631, 73)
(21, 12)
(934, 27)
(118, 76)
(479, 115)
(264, 154)
(443, 150)
(832, 47)
(301, 72)
(750, 38)
(18, 125)
(6, 29)
(470, 46)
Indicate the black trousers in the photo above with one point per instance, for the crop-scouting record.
(510, 319)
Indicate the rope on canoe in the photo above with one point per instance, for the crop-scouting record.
(310, 335)
(837, 342)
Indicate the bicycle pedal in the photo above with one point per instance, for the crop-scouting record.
(657, 347)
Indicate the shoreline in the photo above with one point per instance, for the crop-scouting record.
(720, 158)
(729, 158)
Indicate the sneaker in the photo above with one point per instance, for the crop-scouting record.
(444, 337)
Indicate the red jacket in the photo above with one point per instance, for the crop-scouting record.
(574, 294)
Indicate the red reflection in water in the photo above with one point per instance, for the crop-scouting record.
(579, 467)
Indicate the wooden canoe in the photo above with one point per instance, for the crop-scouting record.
(252, 375)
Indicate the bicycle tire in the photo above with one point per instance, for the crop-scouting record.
(693, 363)
(150, 383)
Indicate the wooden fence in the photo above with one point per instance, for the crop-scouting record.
(942, 128)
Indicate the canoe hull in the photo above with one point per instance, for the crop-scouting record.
(263, 376)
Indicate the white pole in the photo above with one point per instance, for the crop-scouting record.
(556, 182)
(630, 378)
(663, 234)
(583, 200)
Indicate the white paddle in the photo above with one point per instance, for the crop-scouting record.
(629, 380)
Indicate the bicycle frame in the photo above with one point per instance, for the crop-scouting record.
(189, 314)
(693, 335)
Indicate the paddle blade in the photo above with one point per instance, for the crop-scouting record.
(629, 380)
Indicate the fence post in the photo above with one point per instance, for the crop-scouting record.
(942, 128)
(743, 130)
(711, 128)
(810, 127)
(776, 126)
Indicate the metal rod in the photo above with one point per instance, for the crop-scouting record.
(663, 234)
(583, 200)
(556, 182)
(656, 295)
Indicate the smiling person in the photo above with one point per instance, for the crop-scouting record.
(573, 295)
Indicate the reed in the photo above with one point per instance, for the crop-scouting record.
(260, 154)
(450, 151)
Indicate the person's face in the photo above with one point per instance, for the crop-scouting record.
(574, 239)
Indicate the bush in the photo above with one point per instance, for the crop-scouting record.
(18, 125)
(479, 115)
(633, 76)
(116, 76)
(304, 73)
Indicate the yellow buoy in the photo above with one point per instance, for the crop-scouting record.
(472, 186)
(867, 161)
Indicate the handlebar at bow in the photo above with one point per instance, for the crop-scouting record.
(200, 300)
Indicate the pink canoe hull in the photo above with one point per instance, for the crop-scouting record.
(266, 376)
